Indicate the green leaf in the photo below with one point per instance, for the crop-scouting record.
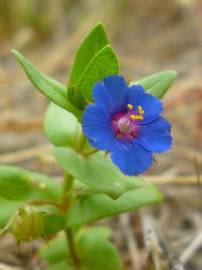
(14, 184)
(52, 89)
(94, 41)
(61, 127)
(96, 251)
(158, 83)
(7, 209)
(91, 208)
(56, 250)
(62, 265)
(93, 247)
(97, 172)
(53, 222)
(18, 185)
(104, 63)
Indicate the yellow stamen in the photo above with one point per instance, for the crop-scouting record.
(140, 110)
(130, 106)
(136, 117)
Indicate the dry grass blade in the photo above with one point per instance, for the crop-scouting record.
(23, 155)
(130, 240)
(7, 267)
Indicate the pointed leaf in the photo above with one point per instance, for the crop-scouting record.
(103, 64)
(158, 83)
(52, 89)
(94, 41)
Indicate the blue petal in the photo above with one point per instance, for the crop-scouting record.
(155, 136)
(151, 105)
(111, 94)
(130, 157)
(97, 127)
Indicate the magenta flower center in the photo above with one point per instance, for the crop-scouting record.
(126, 124)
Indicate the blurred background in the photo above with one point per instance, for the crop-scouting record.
(149, 36)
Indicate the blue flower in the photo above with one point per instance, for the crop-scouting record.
(126, 121)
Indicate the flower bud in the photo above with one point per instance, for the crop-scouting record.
(27, 224)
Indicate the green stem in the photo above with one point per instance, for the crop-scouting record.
(90, 152)
(45, 202)
(67, 201)
(71, 242)
(81, 142)
(68, 183)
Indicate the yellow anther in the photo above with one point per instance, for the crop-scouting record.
(140, 110)
(136, 117)
(130, 106)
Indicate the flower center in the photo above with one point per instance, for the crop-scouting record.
(126, 124)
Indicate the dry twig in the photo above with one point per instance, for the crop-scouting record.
(131, 241)
(151, 240)
(189, 252)
(170, 179)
